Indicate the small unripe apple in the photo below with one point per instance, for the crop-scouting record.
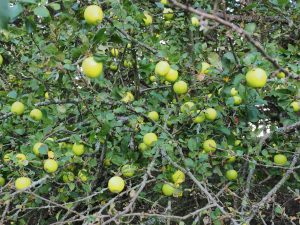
(36, 114)
(150, 139)
(237, 100)
(296, 106)
(256, 78)
(209, 146)
(211, 114)
(233, 92)
(17, 108)
(168, 13)
(78, 149)
(180, 87)
(153, 116)
(114, 52)
(147, 19)
(162, 68)
(280, 159)
(231, 174)
(195, 21)
(168, 189)
(142, 147)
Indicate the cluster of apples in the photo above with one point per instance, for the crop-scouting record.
(18, 108)
(168, 14)
(173, 189)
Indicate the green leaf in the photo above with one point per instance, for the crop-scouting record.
(100, 36)
(43, 149)
(192, 144)
(214, 59)
(250, 27)
(189, 163)
(55, 6)
(28, 1)
(4, 14)
(30, 25)
(12, 94)
(252, 113)
(41, 11)
(15, 11)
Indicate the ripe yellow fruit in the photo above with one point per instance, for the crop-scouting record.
(200, 117)
(296, 106)
(168, 189)
(128, 170)
(50, 165)
(78, 149)
(2, 181)
(209, 146)
(211, 114)
(233, 92)
(36, 148)
(280, 159)
(50, 154)
(143, 147)
(237, 100)
(20, 157)
(178, 177)
(17, 108)
(153, 115)
(128, 97)
(36, 114)
(168, 13)
(68, 177)
(150, 139)
(256, 78)
(188, 108)
(91, 68)
(180, 87)
(93, 15)
(114, 52)
(172, 75)
(22, 183)
(162, 68)
(195, 21)
(116, 184)
(164, 2)
(1, 60)
(147, 19)
(83, 175)
(231, 174)
(205, 67)
(46, 95)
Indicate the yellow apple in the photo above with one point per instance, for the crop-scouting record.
(116, 184)
(20, 157)
(153, 115)
(1, 60)
(256, 78)
(296, 106)
(2, 181)
(128, 97)
(231, 174)
(233, 92)
(150, 139)
(180, 87)
(162, 68)
(22, 183)
(83, 175)
(17, 108)
(36, 148)
(172, 75)
(164, 2)
(36, 114)
(209, 145)
(142, 147)
(178, 177)
(68, 177)
(280, 159)
(50, 154)
(168, 13)
(195, 21)
(237, 100)
(93, 15)
(128, 170)
(114, 52)
(205, 67)
(91, 68)
(78, 149)
(211, 114)
(46, 95)
(50, 165)
(200, 117)
(147, 19)
(188, 108)
(152, 78)
(168, 189)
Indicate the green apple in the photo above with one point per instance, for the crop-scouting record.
(36, 114)
(78, 149)
(1, 60)
(153, 115)
(280, 159)
(93, 15)
(83, 175)
(187, 108)
(150, 139)
(2, 181)
(231, 175)
(17, 108)
(147, 19)
(128, 170)
(209, 146)
(142, 147)
(162, 68)
(180, 87)
(168, 189)
(68, 177)
(22, 183)
(195, 21)
(172, 75)
(211, 114)
(256, 78)
(237, 100)
(50, 165)
(168, 13)
(296, 106)
(200, 117)
(233, 92)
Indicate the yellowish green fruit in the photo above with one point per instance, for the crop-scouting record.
(280, 159)
(256, 78)
(127, 63)
(164, 2)
(231, 174)
(6, 158)
(231, 158)
(180, 87)
(211, 114)
(200, 117)
(168, 13)
(178, 177)
(233, 92)
(195, 21)
(143, 147)
(188, 108)
(113, 66)
(162, 68)
(237, 100)
(107, 162)
(1, 60)
(209, 146)
(50, 165)
(17, 108)
(2, 181)
(128, 170)
(237, 142)
(150, 139)
(68, 177)
(296, 106)
(51, 155)
(36, 148)
(83, 175)
(172, 75)
(46, 95)
(152, 78)
(78, 149)
(36, 114)
(20, 157)
(116, 184)
(114, 52)
(168, 189)
(22, 183)
(147, 19)
(93, 15)
(91, 68)
(280, 75)
(205, 67)
(128, 97)
(153, 115)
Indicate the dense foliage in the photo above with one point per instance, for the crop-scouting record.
(227, 146)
